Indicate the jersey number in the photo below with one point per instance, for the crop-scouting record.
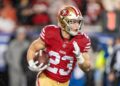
(56, 61)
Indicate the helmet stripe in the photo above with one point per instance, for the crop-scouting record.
(75, 10)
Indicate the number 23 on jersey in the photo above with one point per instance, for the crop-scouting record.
(57, 60)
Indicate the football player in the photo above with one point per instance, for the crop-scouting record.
(65, 44)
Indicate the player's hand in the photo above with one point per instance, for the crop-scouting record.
(77, 52)
(33, 66)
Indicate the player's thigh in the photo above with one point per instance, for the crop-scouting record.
(45, 81)
(63, 84)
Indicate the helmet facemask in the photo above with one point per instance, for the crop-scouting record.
(68, 26)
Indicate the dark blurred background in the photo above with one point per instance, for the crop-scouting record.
(22, 20)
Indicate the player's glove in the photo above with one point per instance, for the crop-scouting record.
(77, 53)
(33, 66)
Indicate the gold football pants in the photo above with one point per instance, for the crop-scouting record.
(43, 80)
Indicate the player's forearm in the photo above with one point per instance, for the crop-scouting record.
(86, 65)
(31, 52)
(34, 47)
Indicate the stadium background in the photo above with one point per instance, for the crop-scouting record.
(27, 17)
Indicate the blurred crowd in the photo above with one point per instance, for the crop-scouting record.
(22, 20)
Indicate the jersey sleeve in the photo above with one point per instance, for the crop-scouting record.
(87, 44)
(43, 33)
(48, 33)
(84, 43)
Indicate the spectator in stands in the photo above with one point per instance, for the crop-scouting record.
(82, 5)
(110, 18)
(78, 77)
(117, 5)
(24, 12)
(93, 12)
(30, 75)
(13, 57)
(7, 17)
(8, 11)
(114, 75)
(40, 9)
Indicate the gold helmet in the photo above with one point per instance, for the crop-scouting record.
(67, 14)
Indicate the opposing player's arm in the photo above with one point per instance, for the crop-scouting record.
(35, 46)
(86, 65)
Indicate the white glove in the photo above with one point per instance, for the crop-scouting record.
(34, 67)
(77, 52)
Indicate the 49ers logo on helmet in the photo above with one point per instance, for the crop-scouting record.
(64, 12)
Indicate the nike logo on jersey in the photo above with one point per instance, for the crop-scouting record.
(62, 52)
(64, 45)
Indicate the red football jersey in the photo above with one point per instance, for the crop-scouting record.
(62, 59)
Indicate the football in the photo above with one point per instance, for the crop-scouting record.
(41, 57)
